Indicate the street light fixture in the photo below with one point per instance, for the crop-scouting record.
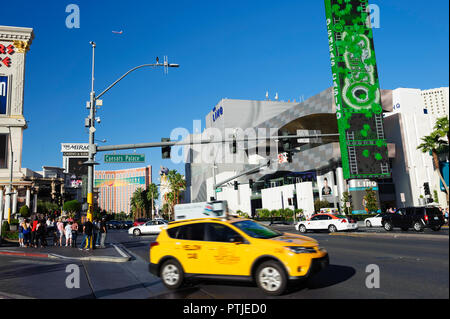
(92, 107)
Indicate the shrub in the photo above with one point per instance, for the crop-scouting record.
(318, 204)
(24, 211)
(263, 213)
(242, 214)
(5, 227)
(11, 235)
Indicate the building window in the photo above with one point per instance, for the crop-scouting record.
(4, 150)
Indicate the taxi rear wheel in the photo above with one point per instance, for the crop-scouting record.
(271, 278)
(137, 232)
(172, 274)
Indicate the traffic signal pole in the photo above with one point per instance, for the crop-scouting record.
(107, 148)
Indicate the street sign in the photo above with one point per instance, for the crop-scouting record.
(356, 90)
(124, 158)
(402, 197)
(348, 204)
(218, 190)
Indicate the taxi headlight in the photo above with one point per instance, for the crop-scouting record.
(302, 250)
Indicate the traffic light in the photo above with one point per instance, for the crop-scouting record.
(236, 186)
(289, 157)
(250, 183)
(165, 150)
(234, 146)
(286, 142)
(426, 187)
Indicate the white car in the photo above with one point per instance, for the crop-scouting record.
(152, 227)
(330, 222)
(374, 221)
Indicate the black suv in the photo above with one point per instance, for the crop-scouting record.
(414, 217)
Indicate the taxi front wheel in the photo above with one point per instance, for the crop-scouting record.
(172, 274)
(272, 278)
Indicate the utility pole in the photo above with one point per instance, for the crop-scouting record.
(91, 124)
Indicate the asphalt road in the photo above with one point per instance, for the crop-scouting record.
(409, 268)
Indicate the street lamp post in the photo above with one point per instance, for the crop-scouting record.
(92, 107)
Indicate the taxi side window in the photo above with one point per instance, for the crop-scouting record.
(188, 232)
(316, 218)
(220, 233)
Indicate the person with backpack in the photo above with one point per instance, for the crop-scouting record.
(26, 233)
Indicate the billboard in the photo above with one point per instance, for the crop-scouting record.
(77, 168)
(3, 94)
(358, 191)
(356, 90)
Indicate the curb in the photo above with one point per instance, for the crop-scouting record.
(125, 257)
(14, 253)
(387, 235)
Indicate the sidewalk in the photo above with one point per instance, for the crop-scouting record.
(111, 253)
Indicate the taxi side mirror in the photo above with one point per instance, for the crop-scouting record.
(237, 240)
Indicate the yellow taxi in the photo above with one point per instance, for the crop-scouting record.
(236, 249)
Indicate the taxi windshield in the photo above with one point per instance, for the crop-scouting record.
(256, 230)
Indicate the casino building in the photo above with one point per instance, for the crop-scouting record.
(116, 187)
(316, 163)
(14, 45)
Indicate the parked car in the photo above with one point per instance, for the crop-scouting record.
(152, 227)
(140, 221)
(375, 221)
(113, 224)
(126, 224)
(418, 218)
(330, 222)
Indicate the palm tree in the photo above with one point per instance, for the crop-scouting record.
(152, 194)
(441, 127)
(431, 144)
(177, 183)
(139, 203)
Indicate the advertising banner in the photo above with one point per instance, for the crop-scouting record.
(358, 191)
(356, 90)
(119, 182)
(3, 94)
(325, 184)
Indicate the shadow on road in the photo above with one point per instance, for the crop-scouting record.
(197, 288)
(330, 276)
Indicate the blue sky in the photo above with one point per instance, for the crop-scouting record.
(226, 49)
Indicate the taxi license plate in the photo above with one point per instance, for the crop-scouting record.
(436, 218)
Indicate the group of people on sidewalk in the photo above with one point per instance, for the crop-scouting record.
(35, 231)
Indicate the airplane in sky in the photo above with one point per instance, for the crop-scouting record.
(118, 32)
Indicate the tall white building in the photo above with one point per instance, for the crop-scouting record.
(414, 115)
(436, 101)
